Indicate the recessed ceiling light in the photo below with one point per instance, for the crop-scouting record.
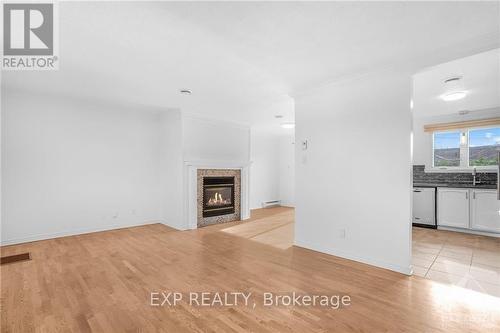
(453, 96)
(278, 116)
(288, 125)
(185, 91)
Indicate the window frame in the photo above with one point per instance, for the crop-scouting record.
(464, 152)
(460, 131)
(479, 167)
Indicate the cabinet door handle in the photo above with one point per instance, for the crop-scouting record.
(467, 195)
(474, 195)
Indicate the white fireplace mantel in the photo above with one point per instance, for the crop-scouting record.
(191, 191)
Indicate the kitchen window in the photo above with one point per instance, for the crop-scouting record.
(484, 145)
(466, 148)
(446, 149)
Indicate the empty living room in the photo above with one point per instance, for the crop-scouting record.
(250, 166)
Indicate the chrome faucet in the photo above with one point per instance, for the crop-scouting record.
(474, 177)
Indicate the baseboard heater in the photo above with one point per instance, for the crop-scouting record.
(272, 203)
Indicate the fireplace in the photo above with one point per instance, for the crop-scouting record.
(218, 196)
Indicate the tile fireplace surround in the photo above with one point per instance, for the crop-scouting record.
(201, 173)
(194, 172)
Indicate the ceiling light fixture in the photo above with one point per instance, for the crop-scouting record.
(288, 125)
(453, 96)
(185, 91)
(454, 89)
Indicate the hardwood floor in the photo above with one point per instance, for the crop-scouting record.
(276, 230)
(102, 282)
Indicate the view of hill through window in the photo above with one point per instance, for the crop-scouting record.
(483, 148)
(447, 149)
(484, 145)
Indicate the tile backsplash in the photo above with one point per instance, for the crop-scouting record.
(420, 176)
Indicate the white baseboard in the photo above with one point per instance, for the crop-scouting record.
(176, 227)
(370, 261)
(284, 204)
(34, 238)
(468, 231)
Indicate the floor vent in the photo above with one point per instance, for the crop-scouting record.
(15, 258)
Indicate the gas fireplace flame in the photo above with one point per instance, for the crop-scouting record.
(217, 200)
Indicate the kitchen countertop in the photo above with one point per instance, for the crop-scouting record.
(456, 185)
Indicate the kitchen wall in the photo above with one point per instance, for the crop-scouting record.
(420, 176)
(353, 181)
(422, 141)
(72, 166)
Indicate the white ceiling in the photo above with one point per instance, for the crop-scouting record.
(243, 60)
(480, 79)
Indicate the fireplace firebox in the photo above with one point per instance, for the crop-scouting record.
(218, 196)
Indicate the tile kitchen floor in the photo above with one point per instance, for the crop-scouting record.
(465, 260)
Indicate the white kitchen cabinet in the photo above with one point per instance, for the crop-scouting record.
(453, 207)
(485, 210)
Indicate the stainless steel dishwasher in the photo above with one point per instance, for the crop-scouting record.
(424, 207)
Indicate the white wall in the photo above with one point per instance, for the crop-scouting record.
(1, 160)
(70, 166)
(287, 170)
(355, 175)
(212, 140)
(171, 169)
(264, 171)
(422, 141)
(272, 175)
